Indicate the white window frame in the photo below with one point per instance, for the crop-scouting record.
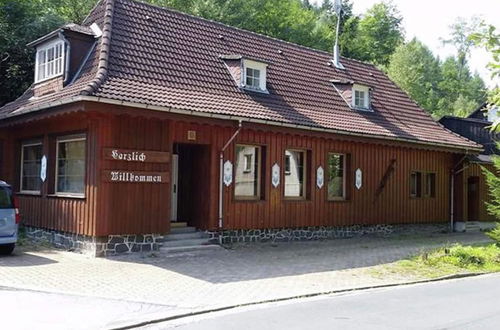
(64, 139)
(44, 48)
(258, 172)
(344, 194)
(366, 100)
(31, 192)
(262, 67)
(305, 173)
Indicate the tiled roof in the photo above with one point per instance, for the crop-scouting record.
(161, 57)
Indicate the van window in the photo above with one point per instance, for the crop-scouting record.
(6, 198)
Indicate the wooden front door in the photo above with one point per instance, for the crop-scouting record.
(473, 198)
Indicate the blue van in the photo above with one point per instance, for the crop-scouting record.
(9, 219)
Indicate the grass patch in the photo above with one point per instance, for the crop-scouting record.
(455, 259)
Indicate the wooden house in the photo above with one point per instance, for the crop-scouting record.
(142, 117)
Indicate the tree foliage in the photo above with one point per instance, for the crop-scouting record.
(20, 23)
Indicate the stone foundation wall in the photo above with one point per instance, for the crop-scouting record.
(316, 233)
(96, 246)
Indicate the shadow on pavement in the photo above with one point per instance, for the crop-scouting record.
(264, 260)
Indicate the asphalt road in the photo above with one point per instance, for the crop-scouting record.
(469, 303)
(24, 309)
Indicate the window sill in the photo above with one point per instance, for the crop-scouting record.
(256, 90)
(249, 199)
(337, 200)
(29, 193)
(73, 196)
(295, 199)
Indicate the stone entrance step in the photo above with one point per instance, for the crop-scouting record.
(185, 235)
(185, 242)
(180, 249)
(176, 224)
(472, 226)
(183, 239)
(182, 230)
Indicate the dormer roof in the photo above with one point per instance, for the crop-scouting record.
(84, 30)
(158, 58)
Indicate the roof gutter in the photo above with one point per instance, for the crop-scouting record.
(88, 98)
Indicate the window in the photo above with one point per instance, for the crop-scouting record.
(287, 164)
(247, 172)
(361, 97)
(336, 177)
(416, 184)
(248, 163)
(430, 185)
(254, 76)
(31, 158)
(295, 177)
(6, 199)
(70, 165)
(49, 61)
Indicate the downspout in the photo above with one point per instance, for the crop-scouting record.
(67, 50)
(221, 177)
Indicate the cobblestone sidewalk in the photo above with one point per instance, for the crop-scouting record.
(217, 278)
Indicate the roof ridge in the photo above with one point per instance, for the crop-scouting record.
(247, 31)
(102, 70)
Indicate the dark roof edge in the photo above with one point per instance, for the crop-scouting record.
(102, 70)
(91, 98)
(473, 120)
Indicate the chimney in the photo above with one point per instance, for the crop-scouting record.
(336, 53)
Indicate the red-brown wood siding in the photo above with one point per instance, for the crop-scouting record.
(46, 210)
(473, 170)
(132, 208)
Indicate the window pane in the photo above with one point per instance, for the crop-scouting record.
(294, 179)
(246, 181)
(335, 176)
(30, 177)
(71, 167)
(430, 185)
(415, 184)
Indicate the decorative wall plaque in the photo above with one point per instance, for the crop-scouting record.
(228, 173)
(275, 175)
(359, 179)
(320, 177)
(43, 168)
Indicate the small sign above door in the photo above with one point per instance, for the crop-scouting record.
(140, 156)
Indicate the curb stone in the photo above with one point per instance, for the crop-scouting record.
(364, 288)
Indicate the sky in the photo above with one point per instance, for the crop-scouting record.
(429, 21)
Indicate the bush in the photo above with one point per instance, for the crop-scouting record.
(495, 234)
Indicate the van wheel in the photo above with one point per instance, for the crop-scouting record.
(7, 249)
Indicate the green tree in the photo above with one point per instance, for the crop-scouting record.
(378, 34)
(414, 69)
(456, 81)
(20, 23)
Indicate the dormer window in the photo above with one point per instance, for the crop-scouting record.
(49, 61)
(252, 78)
(254, 75)
(361, 97)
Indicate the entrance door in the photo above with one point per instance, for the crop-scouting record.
(473, 198)
(191, 200)
(175, 185)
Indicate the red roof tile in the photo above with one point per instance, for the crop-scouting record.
(162, 57)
